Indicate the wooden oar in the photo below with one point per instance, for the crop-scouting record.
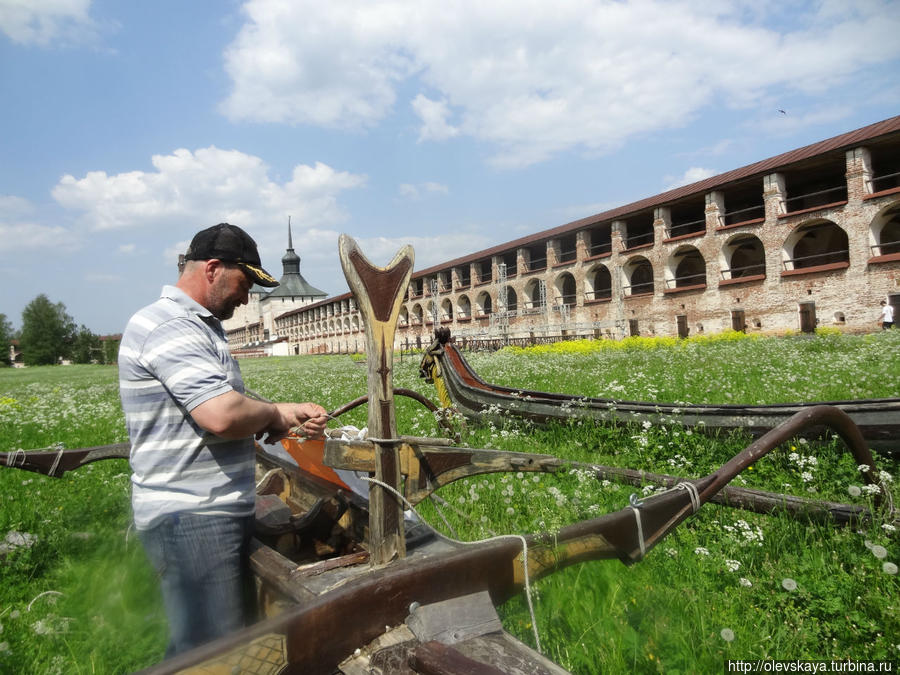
(379, 295)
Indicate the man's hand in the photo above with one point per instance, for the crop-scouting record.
(311, 416)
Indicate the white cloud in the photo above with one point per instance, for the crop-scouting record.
(434, 115)
(42, 22)
(34, 237)
(12, 207)
(535, 79)
(417, 191)
(127, 249)
(692, 175)
(209, 185)
(192, 190)
(429, 251)
(287, 55)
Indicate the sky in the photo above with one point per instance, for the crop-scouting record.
(126, 127)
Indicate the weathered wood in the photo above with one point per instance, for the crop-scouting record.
(455, 619)
(54, 463)
(436, 658)
(456, 381)
(379, 295)
(426, 467)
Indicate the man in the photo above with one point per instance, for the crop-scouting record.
(191, 430)
(887, 315)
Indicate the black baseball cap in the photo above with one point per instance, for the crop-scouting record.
(229, 243)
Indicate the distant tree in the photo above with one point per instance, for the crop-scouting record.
(47, 332)
(110, 348)
(85, 346)
(6, 335)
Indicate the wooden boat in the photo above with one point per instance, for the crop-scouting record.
(350, 585)
(460, 387)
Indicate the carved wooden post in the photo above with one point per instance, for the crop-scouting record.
(379, 294)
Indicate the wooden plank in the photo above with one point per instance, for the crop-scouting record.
(456, 619)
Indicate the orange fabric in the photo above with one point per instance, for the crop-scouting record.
(308, 453)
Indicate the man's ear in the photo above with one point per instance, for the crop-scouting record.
(210, 269)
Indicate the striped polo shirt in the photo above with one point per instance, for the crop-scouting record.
(173, 357)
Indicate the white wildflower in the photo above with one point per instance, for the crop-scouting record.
(879, 552)
(732, 565)
(889, 568)
(854, 490)
(727, 634)
(701, 550)
(789, 584)
(744, 581)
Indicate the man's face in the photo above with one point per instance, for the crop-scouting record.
(229, 290)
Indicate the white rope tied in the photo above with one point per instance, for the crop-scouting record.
(537, 637)
(640, 530)
(12, 457)
(55, 463)
(692, 491)
(635, 504)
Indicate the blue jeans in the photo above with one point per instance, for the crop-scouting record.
(203, 564)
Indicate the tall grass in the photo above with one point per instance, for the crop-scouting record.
(727, 584)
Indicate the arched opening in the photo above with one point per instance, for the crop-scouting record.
(638, 276)
(446, 310)
(483, 305)
(417, 314)
(821, 243)
(512, 300)
(533, 303)
(565, 290)
(464, 307)
(599, 284)
(744, 256)
(886, 232)
(686, 268)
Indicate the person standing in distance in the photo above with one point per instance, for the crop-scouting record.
(887, 315)
(191, 428)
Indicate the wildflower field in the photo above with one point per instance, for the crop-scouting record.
(77, 596)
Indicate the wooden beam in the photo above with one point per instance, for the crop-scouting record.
(379, 295)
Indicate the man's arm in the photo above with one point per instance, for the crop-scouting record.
(232, 415)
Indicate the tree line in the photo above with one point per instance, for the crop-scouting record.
(49, 335)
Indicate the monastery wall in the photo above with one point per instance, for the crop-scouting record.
(798, 245)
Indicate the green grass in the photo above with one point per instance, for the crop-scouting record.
(664, 614)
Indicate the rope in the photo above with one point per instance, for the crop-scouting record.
(692, 491)
(640, 530)
(462, 514)
(440, 512)
(39, 595)
(537, 637)
(635, 504)
(55, 463)
(12, 456)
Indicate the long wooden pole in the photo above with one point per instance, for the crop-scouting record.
(379, 295)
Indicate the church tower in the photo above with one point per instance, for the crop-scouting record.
(292, 292)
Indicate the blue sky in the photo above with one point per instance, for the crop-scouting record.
(125, 127)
